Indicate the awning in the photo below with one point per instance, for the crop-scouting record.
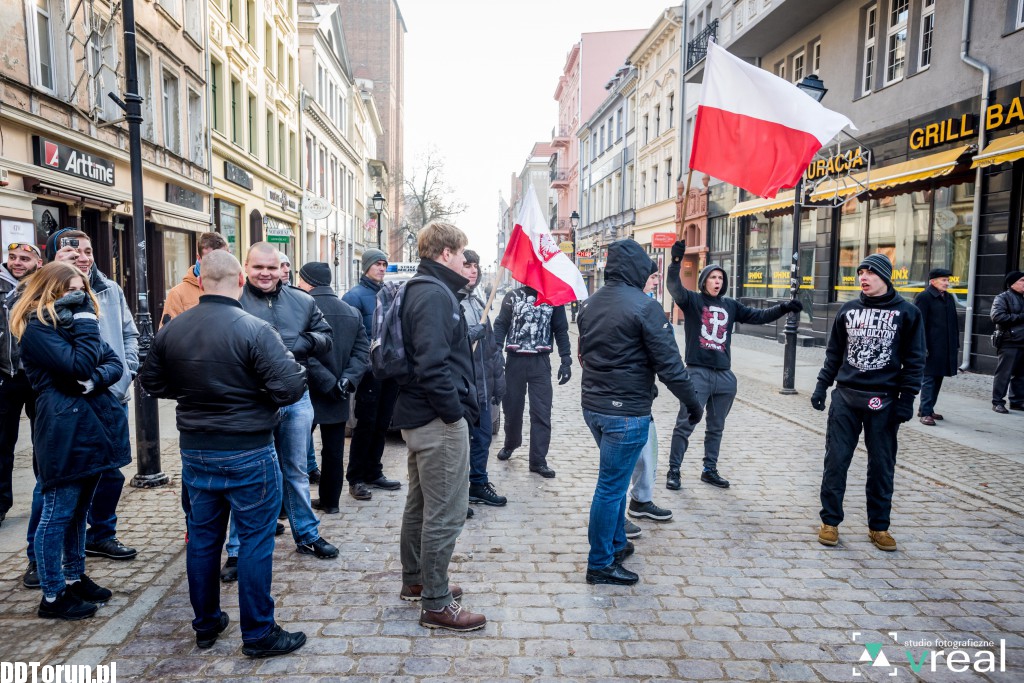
(922, 168)
(1000, 151)
(171, 221)
(760, 205)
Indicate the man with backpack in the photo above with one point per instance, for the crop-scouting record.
(435, 410)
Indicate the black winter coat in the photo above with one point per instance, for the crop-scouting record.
(349, 358)
(941, 332)
(1008, 313)
(75, 435)
(228, 370)
(294, 315)
(437, 344)
(625, 340)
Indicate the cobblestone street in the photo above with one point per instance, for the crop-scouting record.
(734, 587)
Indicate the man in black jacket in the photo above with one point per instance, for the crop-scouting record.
(230, 374)
(1008, 316)
(434, 410)
(624, 341)
(332, 380)
(302, 327)
(941, 340)
(709, 318)
(875, 355)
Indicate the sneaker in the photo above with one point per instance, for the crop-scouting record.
(359, 491)
(414, 592)
(672, 482)
(614, 574)
(712, 477)
(229, 574)
(67, 606)
(505, 453)
(648, 510)
(314, 477)
(31, 577)
(828, 535)
(277, 642)
(632, 530)
(383, 482)
(453, 618)
(485, 493)
(110, 548)
(88, 591)
(318, 548)
(205, 639)
(625, 552)
(883, 540)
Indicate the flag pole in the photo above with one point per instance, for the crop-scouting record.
(490, 299)
(686, 194)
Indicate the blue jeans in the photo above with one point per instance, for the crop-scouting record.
(620, 439)
(60, 536)
(103, 513)
(248, 484)
(480, 446)
(311, 455)
(931, 385)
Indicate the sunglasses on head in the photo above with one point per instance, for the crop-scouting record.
(14, 246)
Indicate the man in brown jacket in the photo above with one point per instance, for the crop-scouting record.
(185, 294)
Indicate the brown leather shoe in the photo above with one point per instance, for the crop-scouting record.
(883, 540)
(928, 420)
(828, 535)
(453, 617)
(936, 416)
(414, 592)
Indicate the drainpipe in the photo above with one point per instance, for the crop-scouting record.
(209, 118)
(972, 268)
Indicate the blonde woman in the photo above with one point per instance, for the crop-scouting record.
(81, 430)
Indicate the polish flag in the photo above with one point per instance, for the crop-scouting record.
(754, 129)
(534, 259)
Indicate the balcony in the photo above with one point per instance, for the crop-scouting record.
(751, 30)
(697, 50)
(559, 178)
(560, 136)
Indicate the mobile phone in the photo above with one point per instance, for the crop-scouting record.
(69, 242)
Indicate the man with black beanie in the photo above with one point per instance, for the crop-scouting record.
(941, 340)
(876, 357)
(1008, 316)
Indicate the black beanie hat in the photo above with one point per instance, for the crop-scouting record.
(1012, 277)
(316, 273)
(880, 265)
(471, 256)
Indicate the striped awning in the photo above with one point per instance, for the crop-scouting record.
(1001, 151)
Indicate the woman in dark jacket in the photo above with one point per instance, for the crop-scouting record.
(81, 430)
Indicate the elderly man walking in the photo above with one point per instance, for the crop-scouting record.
(941, 340)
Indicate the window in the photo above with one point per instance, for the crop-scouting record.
(657, 120)
(44, 74)
(145, 70)
(291, 74)
(1020, 14)
(671, 109)
(253, 129)
(236, 111)
(172, 133)
(798, 66)
(870, 27)
(816, 58)
(309, 163)
(618, 124)
(293, 166)
(226, 215)
(172, 7)
(196, 129)
(599, 147)
(927, 31)
(321, 188)
(216, 84)
(250, 22)
(233, 15)
(194, 20)
(646, 130)
(280, 61)
(268, 47)
(896, 40)
(643, 189)
(271, 127)
(668, 179)
(654, 185)
(780, 69)
(102, 65)
(282, 160)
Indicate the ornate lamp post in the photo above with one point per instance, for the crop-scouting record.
(378, 207)
(410, 239)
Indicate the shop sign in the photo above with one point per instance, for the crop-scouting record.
(315, 208)
(277, 233)
(74, 162)
(237, 175)
(840, 163)
(17, 231)
(966, 126)
(566, 248)
(276, 195)
(182, 196)
(586, 261)
(663, 240)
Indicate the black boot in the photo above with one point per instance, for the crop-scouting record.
(672, 482)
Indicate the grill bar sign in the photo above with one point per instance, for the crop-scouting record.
(74, 162)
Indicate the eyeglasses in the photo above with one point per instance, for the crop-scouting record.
(14, 246)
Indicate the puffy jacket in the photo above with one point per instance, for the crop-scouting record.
(1008, 313)
(348, 359)
(488, 364)
(182, 296)
(363, 298)
(117, 327)
(625, 340)
(8, 344)
(437, 345)
(75, 435)
(294, 315)
(229, 372)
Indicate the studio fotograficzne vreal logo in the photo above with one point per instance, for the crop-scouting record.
(956, 656)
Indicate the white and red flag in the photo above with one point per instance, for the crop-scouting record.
(754, 129)
(534, 259)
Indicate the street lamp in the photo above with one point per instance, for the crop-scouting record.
(378, 207)
(814, 88)
(574, 221)
(410, 239)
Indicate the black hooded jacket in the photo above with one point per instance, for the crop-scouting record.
(625, 339)
(708, 320)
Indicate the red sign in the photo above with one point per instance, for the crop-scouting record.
(663, 240)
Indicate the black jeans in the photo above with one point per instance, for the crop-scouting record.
(844, 426)
(332, 456)
(930, 388)
(15, 394)
(375, 403)
(1009, 374)
(528, 372)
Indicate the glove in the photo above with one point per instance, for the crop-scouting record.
(792, 305)
(565, 371)
(345, 387)
(87, 386)
(496, 400)
(903, 409)
(678, 250)
(303, 345)
(476, 332)
(818, 397)
(696, 410)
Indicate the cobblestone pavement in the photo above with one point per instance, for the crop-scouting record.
(735, 587)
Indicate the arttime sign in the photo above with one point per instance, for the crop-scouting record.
(74, 162)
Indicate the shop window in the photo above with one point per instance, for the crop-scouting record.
(769, 252)
(927, 34)
(227, 216)
(896, 40)
(145, 70)
(172, 133)
(48, 219)
(178, 255)
(951, 235)
(869, 49)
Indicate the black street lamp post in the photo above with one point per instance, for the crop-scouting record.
(147, 416)
(814, 88)
(378, 207)
(574, 221)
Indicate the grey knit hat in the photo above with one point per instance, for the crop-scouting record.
(371, 256)
(880, 265)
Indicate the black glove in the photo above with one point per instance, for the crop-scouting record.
(792, 305)
(303, 345)
(696, 410)
(345, 387)
(818, 397)
(678, 250)
(565, 371)
(903, 408)
(496, 400)
(476, 332)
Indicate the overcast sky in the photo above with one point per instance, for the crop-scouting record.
(480, 77)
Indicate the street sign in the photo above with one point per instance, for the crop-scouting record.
(663, 240)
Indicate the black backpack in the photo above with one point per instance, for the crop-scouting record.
(387, 347)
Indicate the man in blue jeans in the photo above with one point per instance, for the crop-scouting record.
(230, 373)
(625, 340)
